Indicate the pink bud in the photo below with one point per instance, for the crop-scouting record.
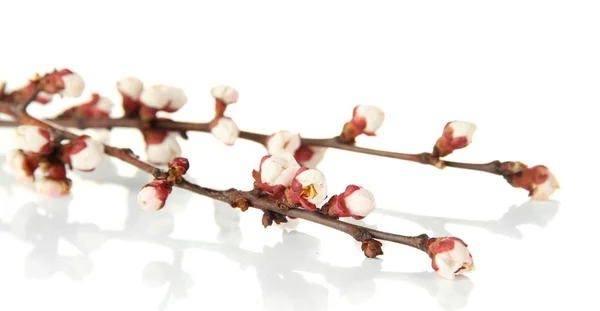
(309, 188)
(53, 187)
(356, 202)
(85, 153)
(449, 256)
(181, 164)
(225, 94)
(456, 135)
(283, 142)
(543, 191)
(153, 195)
(131, 87)
(275, 173)
(309, 156)
(368, 118)
(225, 130)
(21, 166)
(161, 146)
(31, 138)
(538, 180)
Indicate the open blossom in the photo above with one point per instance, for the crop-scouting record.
(456, 135)
(21, 166)
(449, 256)
(225, 94)
(84, 153)
(52, 187)
(309, 188)
(161, 146)
(153, 195)
(356, 202)
(538, 180)
(163, 97)
(225, 130)
(31, 138)
(275, 173)
(309, 156)
(283, 142)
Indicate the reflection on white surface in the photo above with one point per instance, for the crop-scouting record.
(279, 268)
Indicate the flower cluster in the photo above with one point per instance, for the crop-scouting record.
(42, 159)
(63, 82)
(153, 196)
(224, 128)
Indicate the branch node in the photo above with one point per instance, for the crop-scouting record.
(362, 235)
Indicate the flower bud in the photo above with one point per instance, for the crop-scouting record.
(356, 202)
(226, 94)
(366, 119)
(225, 130)
(84, 153)
(181, 164)
(309, 156)
(283, 142)
(52, 187)
(275, 173)
(72, 83)
(130, 89)
(153, 195)
(372, 248)
(161, 146)
(31, 138)
(456, 135)
(449, 256)
(538, 180)
(97, 107)
(21, 166)
(163, 97)
(308, 188)
(53, 169)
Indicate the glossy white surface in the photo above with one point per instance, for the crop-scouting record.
(526, 72)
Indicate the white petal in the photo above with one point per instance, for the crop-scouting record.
(155, 96)
(373, 115)
(105, 104)
(311, 176)
(444, 270)
(286, 177)
(30, 139)
(545, 190)
(130, 86)
(49, 187)
(89, 157)
(164, 152)
(283, 142)
(226, 131)
(279, 170)
(361, 202)
(148, 200)
(463, 128)
(74, 85)
(176, 97)
(225, 93)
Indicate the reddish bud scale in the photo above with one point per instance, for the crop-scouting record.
(53, 170)
(152, 137)
(130, 105)
(147, 113)
(372, 248)
(520, 176)
(181, 164)
(220, 108)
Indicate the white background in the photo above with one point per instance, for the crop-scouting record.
(527, 72)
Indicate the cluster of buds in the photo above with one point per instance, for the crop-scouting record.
(145, 103)
(153, 196)
(286, 142)
(366, 119)
(449, 256)
(38, 150)
(538, 180)
(224, 128)
(41, 89)
(282, 178)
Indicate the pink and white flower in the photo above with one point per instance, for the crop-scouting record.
(153, 195)
(52, 187)
(275, 173)
(225, 130)
(449, 256)
(356, 202)
(31, 138)
(309, 188)
(309, 156)
(73, 83)
(283, 142)
(163, 97)
(85, 153)
(456, 135)
(367, 117)
(21, 166)
(161, 146)
(226, 94)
